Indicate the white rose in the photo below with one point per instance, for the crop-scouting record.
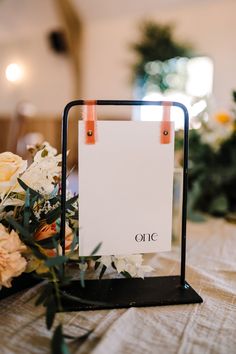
(47, 151)
(41, 174)
(11, 166)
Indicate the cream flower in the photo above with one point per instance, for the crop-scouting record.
(46, 151)
(12, 264)
(11, 166)
(41, 175)
(131, 264)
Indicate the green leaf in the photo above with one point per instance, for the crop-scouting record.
(55, 214)
(126, 274)
(50, 313)
(56, 261)
(44, 153)
(74, 242)
(32, 191)
(24, 232)
(27, 238)
(195, 216)
(97, 264)
(234, 95)
(33, 199)
(36, 251)
(79, 300)
(102, 271)
(46, 292)
(96, 249)
(55, 199)
(27, 209)
(82, 274)
(84, 337)
(58, 344)
(219, 205)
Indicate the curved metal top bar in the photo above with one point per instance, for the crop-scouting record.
(125, 103)
(185, 164)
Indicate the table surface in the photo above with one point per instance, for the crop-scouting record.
(208, 328)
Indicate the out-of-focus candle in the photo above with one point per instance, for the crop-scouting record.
(14, 72)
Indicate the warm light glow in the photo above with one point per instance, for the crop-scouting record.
(154, 113)
(194, 96)
(14, 72)
(200, 77)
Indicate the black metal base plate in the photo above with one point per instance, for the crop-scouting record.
(131, 292)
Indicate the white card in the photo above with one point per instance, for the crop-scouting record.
(125, 189)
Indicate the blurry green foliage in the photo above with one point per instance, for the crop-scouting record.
(154, 51)
(212, 174)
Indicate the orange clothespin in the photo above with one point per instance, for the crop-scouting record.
(90, 118)
(165, 135)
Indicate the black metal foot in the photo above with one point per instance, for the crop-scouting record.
(132, 292)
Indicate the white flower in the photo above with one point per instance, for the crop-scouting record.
(47, 151)
(130, 264)
(11, 166)
(106, 260)
(41, 175)
(12, 201)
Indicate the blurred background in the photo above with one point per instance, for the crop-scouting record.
(54, 51)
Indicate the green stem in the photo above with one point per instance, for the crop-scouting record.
(57, 292)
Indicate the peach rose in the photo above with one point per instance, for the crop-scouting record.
(11, 166)
(47, 231)
(12, 264)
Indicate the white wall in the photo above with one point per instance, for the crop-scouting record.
(46, 81)
(24, 29)
(209, 25)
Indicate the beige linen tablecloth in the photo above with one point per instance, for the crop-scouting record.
(206, 328)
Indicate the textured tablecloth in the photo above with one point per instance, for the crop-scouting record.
(206, 328)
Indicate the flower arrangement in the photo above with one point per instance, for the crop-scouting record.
(212, 173)
(30, 210)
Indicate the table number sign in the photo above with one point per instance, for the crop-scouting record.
(125, 203)
(125, 187)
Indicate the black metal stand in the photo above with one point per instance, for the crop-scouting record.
(132, 292)
(117, 293)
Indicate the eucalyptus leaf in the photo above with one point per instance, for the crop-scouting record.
(104, 268)
(219, 205)
(56, 261)
(45, 293)
(79, 300)
(58, 344)
(97, 264)
(27, 212)
(126, 274)
(50, 312)
(36, 251)
(32, 191)
(17, 226)
(55, 213)
(82, 275)
(96, 249)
